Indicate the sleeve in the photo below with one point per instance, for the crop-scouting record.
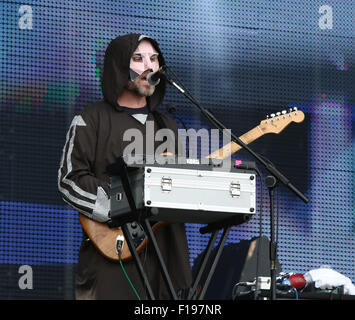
(77, 184)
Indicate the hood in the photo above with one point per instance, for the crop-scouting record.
(116, 69)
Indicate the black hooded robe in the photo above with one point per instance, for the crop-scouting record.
(95, 140)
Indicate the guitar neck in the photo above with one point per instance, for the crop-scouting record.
(233, 147)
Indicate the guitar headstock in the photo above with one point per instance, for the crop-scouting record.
(275, 123)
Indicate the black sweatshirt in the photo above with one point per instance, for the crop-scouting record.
(95, 137)
(94, 141)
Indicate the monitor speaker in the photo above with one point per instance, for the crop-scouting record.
(239, 262)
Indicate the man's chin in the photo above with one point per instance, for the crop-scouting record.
(141, 89)
(145, 92)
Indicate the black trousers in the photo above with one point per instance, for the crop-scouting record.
(103, 279)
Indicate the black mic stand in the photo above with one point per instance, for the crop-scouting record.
(271, 181)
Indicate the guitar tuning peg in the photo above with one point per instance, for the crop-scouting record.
(283, 111)
(294, 108)
(278, 113)
(290, 110)
(272, 115)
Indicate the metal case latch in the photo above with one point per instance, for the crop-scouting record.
(166, 184)
(234, 189)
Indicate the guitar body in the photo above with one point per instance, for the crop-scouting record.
(104, 237)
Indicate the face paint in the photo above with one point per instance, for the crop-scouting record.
(144, 58)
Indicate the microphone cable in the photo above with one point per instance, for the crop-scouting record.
(260, 234)
(261, 186)
(172, 110)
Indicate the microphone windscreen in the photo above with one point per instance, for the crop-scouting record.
(298, 281)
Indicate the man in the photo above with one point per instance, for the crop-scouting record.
(95, 140)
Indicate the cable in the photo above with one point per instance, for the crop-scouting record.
(261, 209)
(181, 85)
(260, 233)
(119, 247)
(277, 215)
(129, 280)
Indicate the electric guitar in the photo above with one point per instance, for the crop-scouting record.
(104, 237)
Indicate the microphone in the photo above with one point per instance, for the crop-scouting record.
(154, 77)
(297, 281)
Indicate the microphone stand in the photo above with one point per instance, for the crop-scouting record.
(271, 181)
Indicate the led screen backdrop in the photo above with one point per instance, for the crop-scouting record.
(241, 59)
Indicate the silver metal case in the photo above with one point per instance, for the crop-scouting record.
(201, 196)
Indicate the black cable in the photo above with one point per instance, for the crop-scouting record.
(277, 215)
(172, 110)
(187, 92)
(260, 235)
(261, 186)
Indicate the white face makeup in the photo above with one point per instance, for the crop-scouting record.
(145, 57)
